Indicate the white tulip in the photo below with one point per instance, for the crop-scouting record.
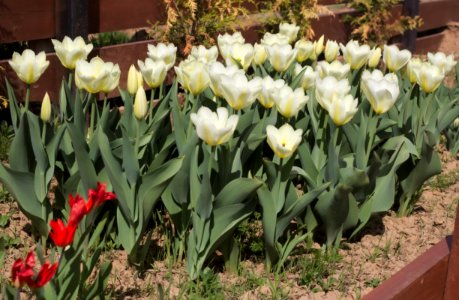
(411, 67)
(270, 39)
(394, 58)
(288, 101)
(241, 54)
(193, 76)
(330, 88)
(260, 54)
(309, 77)
(238, 91)
(281, 56)
(226, 40)
(163, 52)
(28, 66)
(354, 54)
(283, 141)
(318, 48)
(374, 57)
(216, 70)
(439, 59)
(214, 128)
(154, 72)
(140, 104)
(204, 55)
(305, 50)
(96, 75)
(381, 90)
(341, 110)
(429, 77)
(268, 87)
(289, 30)
(335, 69)
(331, 50)
(70, 51)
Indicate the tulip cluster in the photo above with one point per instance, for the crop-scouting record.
(23, 272)
(62, 235)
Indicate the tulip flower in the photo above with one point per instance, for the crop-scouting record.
(411, 67)
(281, 56)
(23, 272)
(140, 104)
(443, 62)
(374, 57)
(113, 79)
(289, 101)
(305, 49)
(238, 91)
(134, 80)
(318, 48)
(78, 209)
(260, 54)
(289, 30)
(331, 50)
(96, 76)
(354, 54)
(335, 69)
(163, 52)
(329, 88)
(429, 77)
(216, 70)
(62, 235)
(283, 141)
(100, 195)
(214, 128)
(341, 110)
(45, 112)
(226, 41)
(381, 91)
(270, 39)
(268, 87)
(28, 66)
(193, 76)
(394, 58)
(309, 76)
(70, 51)
(203, 54)
(241, 54)
(153, 72)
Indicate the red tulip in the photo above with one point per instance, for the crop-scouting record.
(61, 235)
(23, 272)
(100, 195)
(78, 209)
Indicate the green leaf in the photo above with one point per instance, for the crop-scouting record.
(236, 191)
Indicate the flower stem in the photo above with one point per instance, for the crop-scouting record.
(93, 115)
(152, 97)
(26, 106)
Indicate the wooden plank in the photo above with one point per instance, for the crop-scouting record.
(452, 279)
(23, 20)
(437, 13)
(424, 278)
(429, 43)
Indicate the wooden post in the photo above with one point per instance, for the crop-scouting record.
(72, 18)
(452, 279)
(411, 9)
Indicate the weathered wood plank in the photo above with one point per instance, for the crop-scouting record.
(424, 278)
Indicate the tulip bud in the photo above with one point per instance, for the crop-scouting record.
(374, 58)
(260, 54)
(45, 112)
(331, 50)
(411, 67)
(140, 104)
(134, 80)
(319, 45)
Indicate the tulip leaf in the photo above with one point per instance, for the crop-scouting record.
(21, 156)
(235, 191)
(15, 112)
(130, 162)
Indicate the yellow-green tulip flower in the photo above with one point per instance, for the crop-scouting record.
(70, 51)
(153, 72)
(193, 76)
(214, 128)
(394, 58)
(283, 141)
(28, 66)
(45, 112)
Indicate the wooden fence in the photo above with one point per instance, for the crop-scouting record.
(37, 21)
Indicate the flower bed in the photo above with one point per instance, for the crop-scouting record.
(314, 147)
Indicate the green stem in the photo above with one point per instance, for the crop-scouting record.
(69, 83)
(152, 97)
(137, 139)
(93, 116)
(43, 133)
(26, 106)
